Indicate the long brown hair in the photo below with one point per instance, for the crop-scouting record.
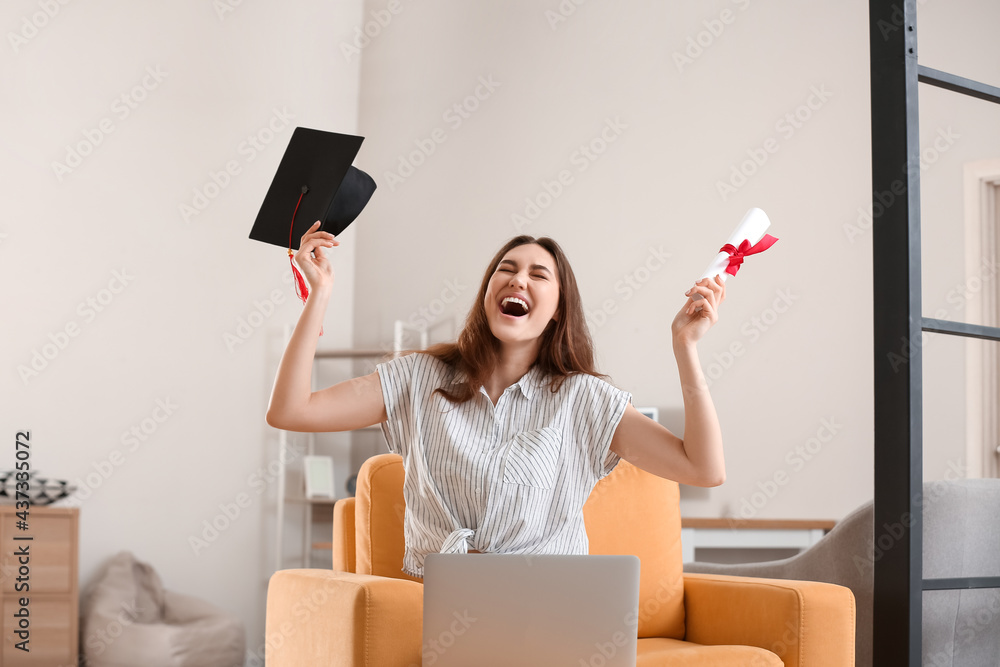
(566, 347)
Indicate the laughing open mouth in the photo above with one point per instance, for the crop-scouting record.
(513, 306)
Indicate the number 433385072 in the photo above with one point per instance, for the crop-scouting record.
(22, 453)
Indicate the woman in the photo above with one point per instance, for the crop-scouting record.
(505, 433)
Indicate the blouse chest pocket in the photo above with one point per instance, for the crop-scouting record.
(532, 457)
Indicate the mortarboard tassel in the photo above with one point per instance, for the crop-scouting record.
(301, 289)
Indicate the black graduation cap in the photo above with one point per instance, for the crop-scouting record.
(315, 181)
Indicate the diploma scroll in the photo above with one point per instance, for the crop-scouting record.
(748, 233)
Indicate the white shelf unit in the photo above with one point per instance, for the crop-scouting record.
(400, 329)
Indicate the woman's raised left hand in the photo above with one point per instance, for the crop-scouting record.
(697, 317)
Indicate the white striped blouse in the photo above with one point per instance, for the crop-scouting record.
(509, 478)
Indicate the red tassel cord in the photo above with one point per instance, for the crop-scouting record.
(301, 289)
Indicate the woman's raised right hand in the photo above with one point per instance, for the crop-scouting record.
(312, 261)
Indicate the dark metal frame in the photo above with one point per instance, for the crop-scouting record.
(899, 326)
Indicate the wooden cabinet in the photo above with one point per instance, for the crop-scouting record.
(53, 595)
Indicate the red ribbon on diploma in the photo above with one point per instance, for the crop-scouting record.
(736, 255)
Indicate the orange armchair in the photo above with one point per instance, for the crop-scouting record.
(367, 613)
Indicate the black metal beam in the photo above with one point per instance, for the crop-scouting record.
(898, 368)
(961, 583)
(961, 329)
(958, 84)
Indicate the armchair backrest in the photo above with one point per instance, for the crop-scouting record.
(629, 512)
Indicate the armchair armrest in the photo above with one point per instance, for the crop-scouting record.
(806, 623)
(341, 619)
(343, 535)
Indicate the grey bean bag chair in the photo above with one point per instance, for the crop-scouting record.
(961, 628)
(128, 619)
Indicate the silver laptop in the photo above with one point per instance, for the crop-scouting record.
(545, 610)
